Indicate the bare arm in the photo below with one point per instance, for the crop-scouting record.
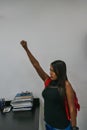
(70, 98)
(34, 62)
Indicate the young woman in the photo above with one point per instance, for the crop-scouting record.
(57, 88)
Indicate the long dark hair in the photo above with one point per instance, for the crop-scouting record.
(59, 68)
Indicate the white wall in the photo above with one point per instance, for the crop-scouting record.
(54, 30)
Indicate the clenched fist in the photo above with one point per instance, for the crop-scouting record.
(24, 44)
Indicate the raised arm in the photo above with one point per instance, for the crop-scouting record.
(34, 62)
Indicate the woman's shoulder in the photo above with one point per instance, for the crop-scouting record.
(69, 87)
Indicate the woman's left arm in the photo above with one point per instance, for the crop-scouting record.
(70, 98)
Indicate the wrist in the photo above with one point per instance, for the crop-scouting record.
(74, 128)
(26, 49)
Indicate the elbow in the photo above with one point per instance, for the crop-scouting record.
(73, 111)
(36, 64)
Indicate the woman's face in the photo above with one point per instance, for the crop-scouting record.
(53, 76)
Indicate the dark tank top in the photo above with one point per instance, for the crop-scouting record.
(54, 111)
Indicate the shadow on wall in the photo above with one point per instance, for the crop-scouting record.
(82, 118)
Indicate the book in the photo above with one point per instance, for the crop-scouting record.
(22, 101)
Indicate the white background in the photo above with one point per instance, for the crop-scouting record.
(54, 29)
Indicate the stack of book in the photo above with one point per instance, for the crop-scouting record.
(22, 101)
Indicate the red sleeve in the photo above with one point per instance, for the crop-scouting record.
(77, 105)
(47, 81)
